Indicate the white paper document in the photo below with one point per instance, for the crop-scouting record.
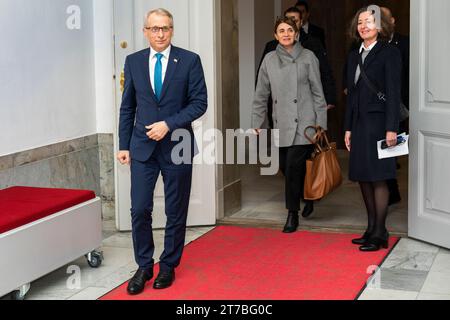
(397, 151)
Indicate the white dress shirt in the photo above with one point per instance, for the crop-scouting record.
(306, 27)
(164, 62)
(364, 52)
(369, 48)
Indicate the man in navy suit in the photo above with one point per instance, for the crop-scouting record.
(164, 91)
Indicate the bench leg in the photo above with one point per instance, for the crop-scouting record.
(94, 259)
(21, 292)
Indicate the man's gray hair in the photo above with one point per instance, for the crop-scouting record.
(160, 12)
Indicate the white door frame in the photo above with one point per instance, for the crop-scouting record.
(202, 40)
(429, 186)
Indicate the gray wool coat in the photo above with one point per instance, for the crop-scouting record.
(294, 82)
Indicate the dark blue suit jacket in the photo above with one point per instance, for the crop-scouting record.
(183, 100)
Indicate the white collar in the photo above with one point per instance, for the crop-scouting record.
(369, 48)
(165, 53)
(306, 27)
(392, 38)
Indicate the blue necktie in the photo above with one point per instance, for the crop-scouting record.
(158, 76)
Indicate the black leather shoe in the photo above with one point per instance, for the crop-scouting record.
(164, 279)
(291, 223)
(375, 244)
(363, 240)
(308, 209)
(137, 283)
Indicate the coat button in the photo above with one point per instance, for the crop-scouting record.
(296, 120)
(295, 101)
(276, 101)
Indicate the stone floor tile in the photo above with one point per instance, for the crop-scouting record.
(402, 280)
(437, 283)
(433, 296)
(400, 259)
(384, 294)
(441, 264)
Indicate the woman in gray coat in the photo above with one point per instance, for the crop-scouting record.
(291, 74)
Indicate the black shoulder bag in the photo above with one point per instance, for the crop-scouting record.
(404, 112)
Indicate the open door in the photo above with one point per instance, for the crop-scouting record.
(194, 30)
(429, 201)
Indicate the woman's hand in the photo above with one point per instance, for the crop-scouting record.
(257, 131)
(391, 139)
(348, 140)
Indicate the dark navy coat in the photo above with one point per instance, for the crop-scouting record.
(369, 118)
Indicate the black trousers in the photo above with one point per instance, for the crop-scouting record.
(293, 166)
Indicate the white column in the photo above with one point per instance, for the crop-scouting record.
(278, 11)
(246, 60)
(104, 65)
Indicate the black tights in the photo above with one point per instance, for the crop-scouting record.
(376, 198)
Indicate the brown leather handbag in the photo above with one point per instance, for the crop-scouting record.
(323, 172)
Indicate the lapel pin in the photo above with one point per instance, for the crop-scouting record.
(175, 60)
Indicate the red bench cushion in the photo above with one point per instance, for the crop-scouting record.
(22, 205)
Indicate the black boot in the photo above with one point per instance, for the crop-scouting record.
(291, 223)
(308, 209)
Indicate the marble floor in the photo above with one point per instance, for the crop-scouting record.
(341, 210)
(413, 271)
(117, 268)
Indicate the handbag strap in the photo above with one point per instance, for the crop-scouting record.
(313, 140)
(381, 96)
(320, 139)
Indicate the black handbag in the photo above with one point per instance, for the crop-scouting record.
(404, 112)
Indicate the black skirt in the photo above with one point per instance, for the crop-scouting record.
(364, 165)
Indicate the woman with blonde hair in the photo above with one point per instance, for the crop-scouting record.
(373, 79)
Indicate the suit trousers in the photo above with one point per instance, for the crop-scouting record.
(293, 166)
(177, 189)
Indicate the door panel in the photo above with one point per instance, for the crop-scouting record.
(191, 35)
(429, 204)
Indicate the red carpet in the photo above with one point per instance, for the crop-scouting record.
(232, 263)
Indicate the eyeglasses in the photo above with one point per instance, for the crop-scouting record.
(156, 30)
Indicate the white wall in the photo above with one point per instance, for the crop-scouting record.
(246, 60)
(47, 74)
(264, 23)
(278, 8)
(256, 21)
(104, 65)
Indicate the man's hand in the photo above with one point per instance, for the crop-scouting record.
(348, 140)
(257, 131)
(331, 106)
(157, 131)
(124, 157)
